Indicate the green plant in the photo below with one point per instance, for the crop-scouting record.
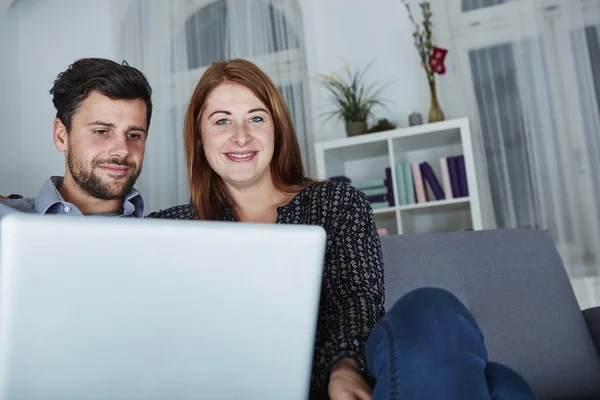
(353, 100)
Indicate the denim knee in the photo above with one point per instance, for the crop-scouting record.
(427, 344)
(424, 305)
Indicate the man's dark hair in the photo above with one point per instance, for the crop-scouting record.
(113, 80)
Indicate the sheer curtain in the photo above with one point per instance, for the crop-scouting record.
(173, 42)
(561, 120)
(531, 87)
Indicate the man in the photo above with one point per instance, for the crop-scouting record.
(103, 112)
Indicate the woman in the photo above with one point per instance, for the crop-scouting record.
(244, 165)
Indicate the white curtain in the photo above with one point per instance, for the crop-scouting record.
(532, 84)
(173, 42)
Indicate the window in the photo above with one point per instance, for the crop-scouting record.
(470, 5)
(208, 33)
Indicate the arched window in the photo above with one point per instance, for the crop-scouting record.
(209, 35)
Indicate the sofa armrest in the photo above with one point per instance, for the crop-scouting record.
(592, 319)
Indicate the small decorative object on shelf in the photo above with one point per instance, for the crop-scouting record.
(432, 57)
(415, 119)
(382, 125)
(354, 101)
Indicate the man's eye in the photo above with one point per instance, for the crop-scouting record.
(222, 122)
(101, 132)
(135, 136)
(256, 119)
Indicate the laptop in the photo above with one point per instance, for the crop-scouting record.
(107, 308)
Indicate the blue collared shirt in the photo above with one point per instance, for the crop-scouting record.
(49, 201)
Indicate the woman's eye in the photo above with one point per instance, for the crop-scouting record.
(256, 119)
(222, 122)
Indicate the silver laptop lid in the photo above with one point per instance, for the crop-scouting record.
(106, 308)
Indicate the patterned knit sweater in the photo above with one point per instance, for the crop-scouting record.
(352, 290)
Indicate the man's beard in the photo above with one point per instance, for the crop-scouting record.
(93, 185)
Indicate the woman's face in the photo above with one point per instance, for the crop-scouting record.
(238, 135)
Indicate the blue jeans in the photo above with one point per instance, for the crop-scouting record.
(428, 346)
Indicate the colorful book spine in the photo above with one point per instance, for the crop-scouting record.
(409, 183)
(446, 178)
(383, 231)
(379, 204)
(452, 170)
(462, 176)
(375, 191)
(369, 184)
(390, 185)
(418, 181)
(402, 195)
(431, 179)
(378, 198)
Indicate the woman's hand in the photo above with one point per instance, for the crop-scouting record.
(347, 382)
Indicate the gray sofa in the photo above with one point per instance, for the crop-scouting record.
(514, 283)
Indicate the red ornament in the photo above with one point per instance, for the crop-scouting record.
(436, 60)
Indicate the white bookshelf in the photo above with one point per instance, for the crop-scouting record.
(366, 157)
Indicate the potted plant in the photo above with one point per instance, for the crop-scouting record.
(353, 100)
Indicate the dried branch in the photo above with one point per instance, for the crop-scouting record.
(423, 37)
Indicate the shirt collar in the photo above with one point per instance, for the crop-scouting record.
(133, 205)
(49, 200)
(49, 197)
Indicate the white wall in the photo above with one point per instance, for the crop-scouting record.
(50, 35)
(10, 166)
(361, 31)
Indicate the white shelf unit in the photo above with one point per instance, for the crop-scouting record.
(366, 157)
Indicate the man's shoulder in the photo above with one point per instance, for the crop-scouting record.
(17, 204)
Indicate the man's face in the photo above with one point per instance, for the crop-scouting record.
(105, 147)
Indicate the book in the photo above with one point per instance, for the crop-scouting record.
(383, 231)
(390, 185)
(432, 181)
(462, 176)
(368, 184)
(409, 183)
(378, 198)
(453, 172)
(446, 178)
(418, 181)
(402, 195)
(379, 204)
(375, 191)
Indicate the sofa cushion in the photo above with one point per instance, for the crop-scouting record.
(514, 283)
